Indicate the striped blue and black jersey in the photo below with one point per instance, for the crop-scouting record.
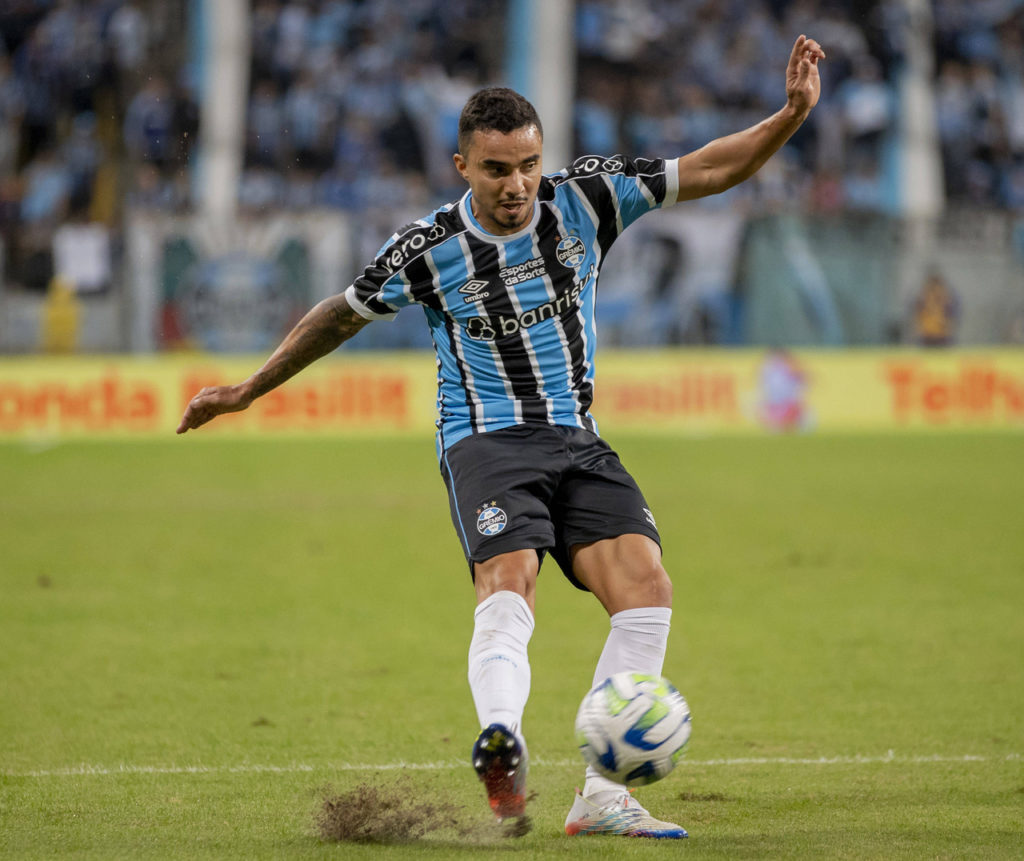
(512, 317)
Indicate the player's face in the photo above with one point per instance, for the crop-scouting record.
(503, 172)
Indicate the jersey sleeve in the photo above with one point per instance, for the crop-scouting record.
(622, 188)
(404, 272)
(381, 291)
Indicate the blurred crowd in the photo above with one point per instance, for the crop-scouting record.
(980, 100)
(349, 110)
(659, 76)
(91, 114)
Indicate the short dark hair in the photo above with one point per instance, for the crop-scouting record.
(495, 109)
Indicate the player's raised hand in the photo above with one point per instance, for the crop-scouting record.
(212, 402)
(803, 86)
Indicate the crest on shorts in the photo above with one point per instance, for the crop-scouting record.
(490, 519)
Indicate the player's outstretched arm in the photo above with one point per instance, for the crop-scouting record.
(326, 327)
(730, 160)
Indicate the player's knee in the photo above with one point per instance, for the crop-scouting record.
(645, 582)
(660, 587)
(507, 572)
(640, 584)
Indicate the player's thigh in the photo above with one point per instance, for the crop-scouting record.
(499, 488)
(607, 530)
(598, 498)
(624, 572)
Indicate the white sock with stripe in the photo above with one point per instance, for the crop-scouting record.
(499, 669)
(636, 643)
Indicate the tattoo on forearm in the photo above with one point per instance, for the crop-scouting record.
(325, 328)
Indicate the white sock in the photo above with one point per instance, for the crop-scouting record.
(499, 669)
(636, 643)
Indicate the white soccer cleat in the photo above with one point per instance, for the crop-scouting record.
(621, 814)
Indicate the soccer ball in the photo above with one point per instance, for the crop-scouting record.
(633, 728)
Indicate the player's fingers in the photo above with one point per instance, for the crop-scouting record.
(797, 52)
(191, 419)
(197, 411)
(805, 49)
(813, 50)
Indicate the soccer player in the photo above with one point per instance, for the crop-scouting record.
(507, 278)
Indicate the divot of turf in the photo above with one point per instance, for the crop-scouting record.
(703, 796)
(402, 812)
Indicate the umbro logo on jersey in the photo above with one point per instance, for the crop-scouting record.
(474, 291)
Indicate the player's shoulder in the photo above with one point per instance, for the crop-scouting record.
(639, 183)
(418, 237)
(441, 224)
(588, 166)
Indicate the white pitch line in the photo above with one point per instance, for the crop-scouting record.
(297, 767)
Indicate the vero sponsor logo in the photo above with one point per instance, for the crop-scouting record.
(474, 291)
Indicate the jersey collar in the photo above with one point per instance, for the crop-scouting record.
(466, 211)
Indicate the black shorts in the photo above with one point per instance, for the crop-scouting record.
(545, 487)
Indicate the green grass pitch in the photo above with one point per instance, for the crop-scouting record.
(200, 639)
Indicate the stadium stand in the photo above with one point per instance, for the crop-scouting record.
(351, 113)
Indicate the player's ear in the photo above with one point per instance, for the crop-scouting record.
(460, 165)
